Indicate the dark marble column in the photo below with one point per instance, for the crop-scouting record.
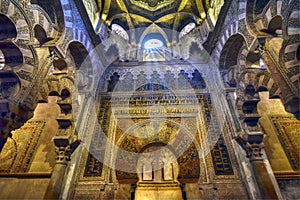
(54, 188)
(252, 143)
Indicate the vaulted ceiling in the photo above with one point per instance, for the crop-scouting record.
(169, 14)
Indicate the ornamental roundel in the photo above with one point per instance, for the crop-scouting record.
(152, 5)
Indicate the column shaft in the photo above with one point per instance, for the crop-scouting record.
(263, 180)
(55, 185)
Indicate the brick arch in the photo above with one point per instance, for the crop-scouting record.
(17, 104)
(55, 85)
(54, 12)
(41, 18)
(231, 48)
(290, 15)
(230, 31)
(288, 56)
(232, 59)
(271, 11)
(264, 79)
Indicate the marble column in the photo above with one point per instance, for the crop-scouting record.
(253, 146)
(55, 186)
(266, 187)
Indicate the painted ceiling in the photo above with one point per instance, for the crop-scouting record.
(170, 14)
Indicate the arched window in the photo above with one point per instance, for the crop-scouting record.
(153, 44)
(120, 31)
(188, 28)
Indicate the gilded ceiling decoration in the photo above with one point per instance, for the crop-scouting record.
(169, 14)
(152, 5)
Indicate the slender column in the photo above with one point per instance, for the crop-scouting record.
(55, 185)
(265, 185)
(65, 143)
(253, 145)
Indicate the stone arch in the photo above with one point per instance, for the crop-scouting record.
(291, 14)
(230, 51)
(135, 150)
(229, 63)
(288, 56)
(271, 12)
(12, 54)
(40, 34)
(24, 30)
(275, 25)
(10, 85)
(254, 9)
(54, 93)
(54, 86)
(79, 60)
(265, 80)
(119, 29)
(54, 10)
(253, 60)
(43, 20)
(79, 54)
(8, 30)
(153, 29)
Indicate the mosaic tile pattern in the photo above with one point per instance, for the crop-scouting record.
(189, 161)
(19, 150)
(288, 132)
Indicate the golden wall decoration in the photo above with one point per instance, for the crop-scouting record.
(288, 132)
(148, 112)
(19, 150)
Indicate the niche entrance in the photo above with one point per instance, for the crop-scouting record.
(157, 170)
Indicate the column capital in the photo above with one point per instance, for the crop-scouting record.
(252, 143)
(63, 155)
(64, 147)
(254, 151)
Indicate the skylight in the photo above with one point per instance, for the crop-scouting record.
(153, 44)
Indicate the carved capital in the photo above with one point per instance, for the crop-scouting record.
(261, 48)
(254, 151)
(63, 155)
(252, 143)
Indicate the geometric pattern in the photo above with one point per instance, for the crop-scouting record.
(220, 155)
(288, 132)
(17, 153)
(221, 159)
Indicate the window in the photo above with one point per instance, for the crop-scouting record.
(153, 44)
(188, 28)
(120, 31)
